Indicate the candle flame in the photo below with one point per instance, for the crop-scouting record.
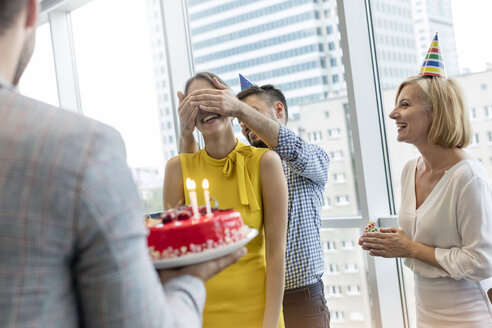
(205, 184)
(190, 184)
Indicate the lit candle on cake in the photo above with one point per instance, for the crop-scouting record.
(191, 186)
(206, 195)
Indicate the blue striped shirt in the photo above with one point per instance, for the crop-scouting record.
(306, 170)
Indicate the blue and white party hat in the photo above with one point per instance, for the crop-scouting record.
(245, 83)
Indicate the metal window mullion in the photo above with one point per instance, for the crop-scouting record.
(355, 222)
(341, 222)
(64, 58)
(375, 190)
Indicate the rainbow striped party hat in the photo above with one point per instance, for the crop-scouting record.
(433, 64)
(245, 83)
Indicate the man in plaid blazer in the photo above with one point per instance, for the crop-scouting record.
(72, 240)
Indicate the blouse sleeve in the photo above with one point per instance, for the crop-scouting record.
(473, 260)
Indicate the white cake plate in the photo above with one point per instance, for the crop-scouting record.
(206, 255)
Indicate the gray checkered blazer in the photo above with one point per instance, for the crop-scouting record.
(72, 241)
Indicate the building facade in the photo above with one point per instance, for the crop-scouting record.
(431, 16)
(296, 46)
(164, 105)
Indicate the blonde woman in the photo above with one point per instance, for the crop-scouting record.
(250, 180)
(446, 209)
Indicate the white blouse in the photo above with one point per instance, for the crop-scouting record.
(456, 218)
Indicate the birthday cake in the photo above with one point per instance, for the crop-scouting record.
(177, 232)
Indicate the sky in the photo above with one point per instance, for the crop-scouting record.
(473, 32)
(115, 70)
(114, 64)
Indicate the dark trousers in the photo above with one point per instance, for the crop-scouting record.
(305, 307)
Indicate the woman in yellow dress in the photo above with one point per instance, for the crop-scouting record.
(251, 181)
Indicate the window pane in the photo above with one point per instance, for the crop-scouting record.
(279, 44)
(282, 44)
(117, 85)
(345, 279)
(39, 78)
(403, 33)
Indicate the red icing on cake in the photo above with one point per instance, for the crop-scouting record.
(177, 234)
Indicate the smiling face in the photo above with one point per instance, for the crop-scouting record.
(207, 122)
(261, 106)
(413, 120)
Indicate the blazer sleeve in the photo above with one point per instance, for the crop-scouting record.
(473, 260)
(115, 280)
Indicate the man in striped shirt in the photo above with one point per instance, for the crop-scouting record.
(263, 115)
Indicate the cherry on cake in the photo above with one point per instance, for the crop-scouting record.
(176, 232)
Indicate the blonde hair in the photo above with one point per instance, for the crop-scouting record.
(444, 99)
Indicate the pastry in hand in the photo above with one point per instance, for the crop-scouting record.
(371, 227)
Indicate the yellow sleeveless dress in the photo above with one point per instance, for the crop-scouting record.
(236, 296)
